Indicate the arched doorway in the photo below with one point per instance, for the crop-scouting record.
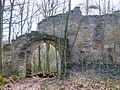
(44, 56)
(27, 48)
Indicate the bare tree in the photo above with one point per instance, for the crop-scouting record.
(87, 7)
(65, 37)
(1, 30)
(2, 3)
(49, 7)
(10, 22)
(31, 15)
(21, 15)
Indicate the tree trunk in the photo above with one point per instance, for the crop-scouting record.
(47, 57)
(65, 39)
(1, 34)
(10, 22)
(39, 48)
(87, 7)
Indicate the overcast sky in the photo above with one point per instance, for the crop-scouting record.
(115, 3)
(82, 4)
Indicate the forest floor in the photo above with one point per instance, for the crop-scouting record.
(79, 82)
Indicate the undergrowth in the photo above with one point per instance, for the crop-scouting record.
(12, 78)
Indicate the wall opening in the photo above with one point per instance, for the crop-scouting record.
(45, 59)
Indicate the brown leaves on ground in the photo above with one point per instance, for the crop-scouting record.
(75, 83)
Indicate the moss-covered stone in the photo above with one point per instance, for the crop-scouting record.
(7, 47)
(29, 69)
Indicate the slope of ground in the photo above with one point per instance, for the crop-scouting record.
(78, 82)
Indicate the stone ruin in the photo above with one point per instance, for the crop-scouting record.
(90, 39)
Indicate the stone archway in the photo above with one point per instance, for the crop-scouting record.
(26, 44)
(30, 50)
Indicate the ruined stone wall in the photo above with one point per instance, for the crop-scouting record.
(23, 49)
(92, 39)
(7, 59)
(82, 32)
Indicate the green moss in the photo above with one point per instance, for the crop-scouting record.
(21, 55)
(6, 65)
(34, 35)
(3, 80)
(29, 66)
(14, 78)
(29, 69)
(15, 72)
(7, 47)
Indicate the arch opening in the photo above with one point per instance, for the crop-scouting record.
(46, 60)
(44, 57)
(28, 49)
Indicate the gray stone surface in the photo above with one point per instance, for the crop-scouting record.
(109, 24)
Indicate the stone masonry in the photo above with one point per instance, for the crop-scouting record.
(91, 38)
(86, 34)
